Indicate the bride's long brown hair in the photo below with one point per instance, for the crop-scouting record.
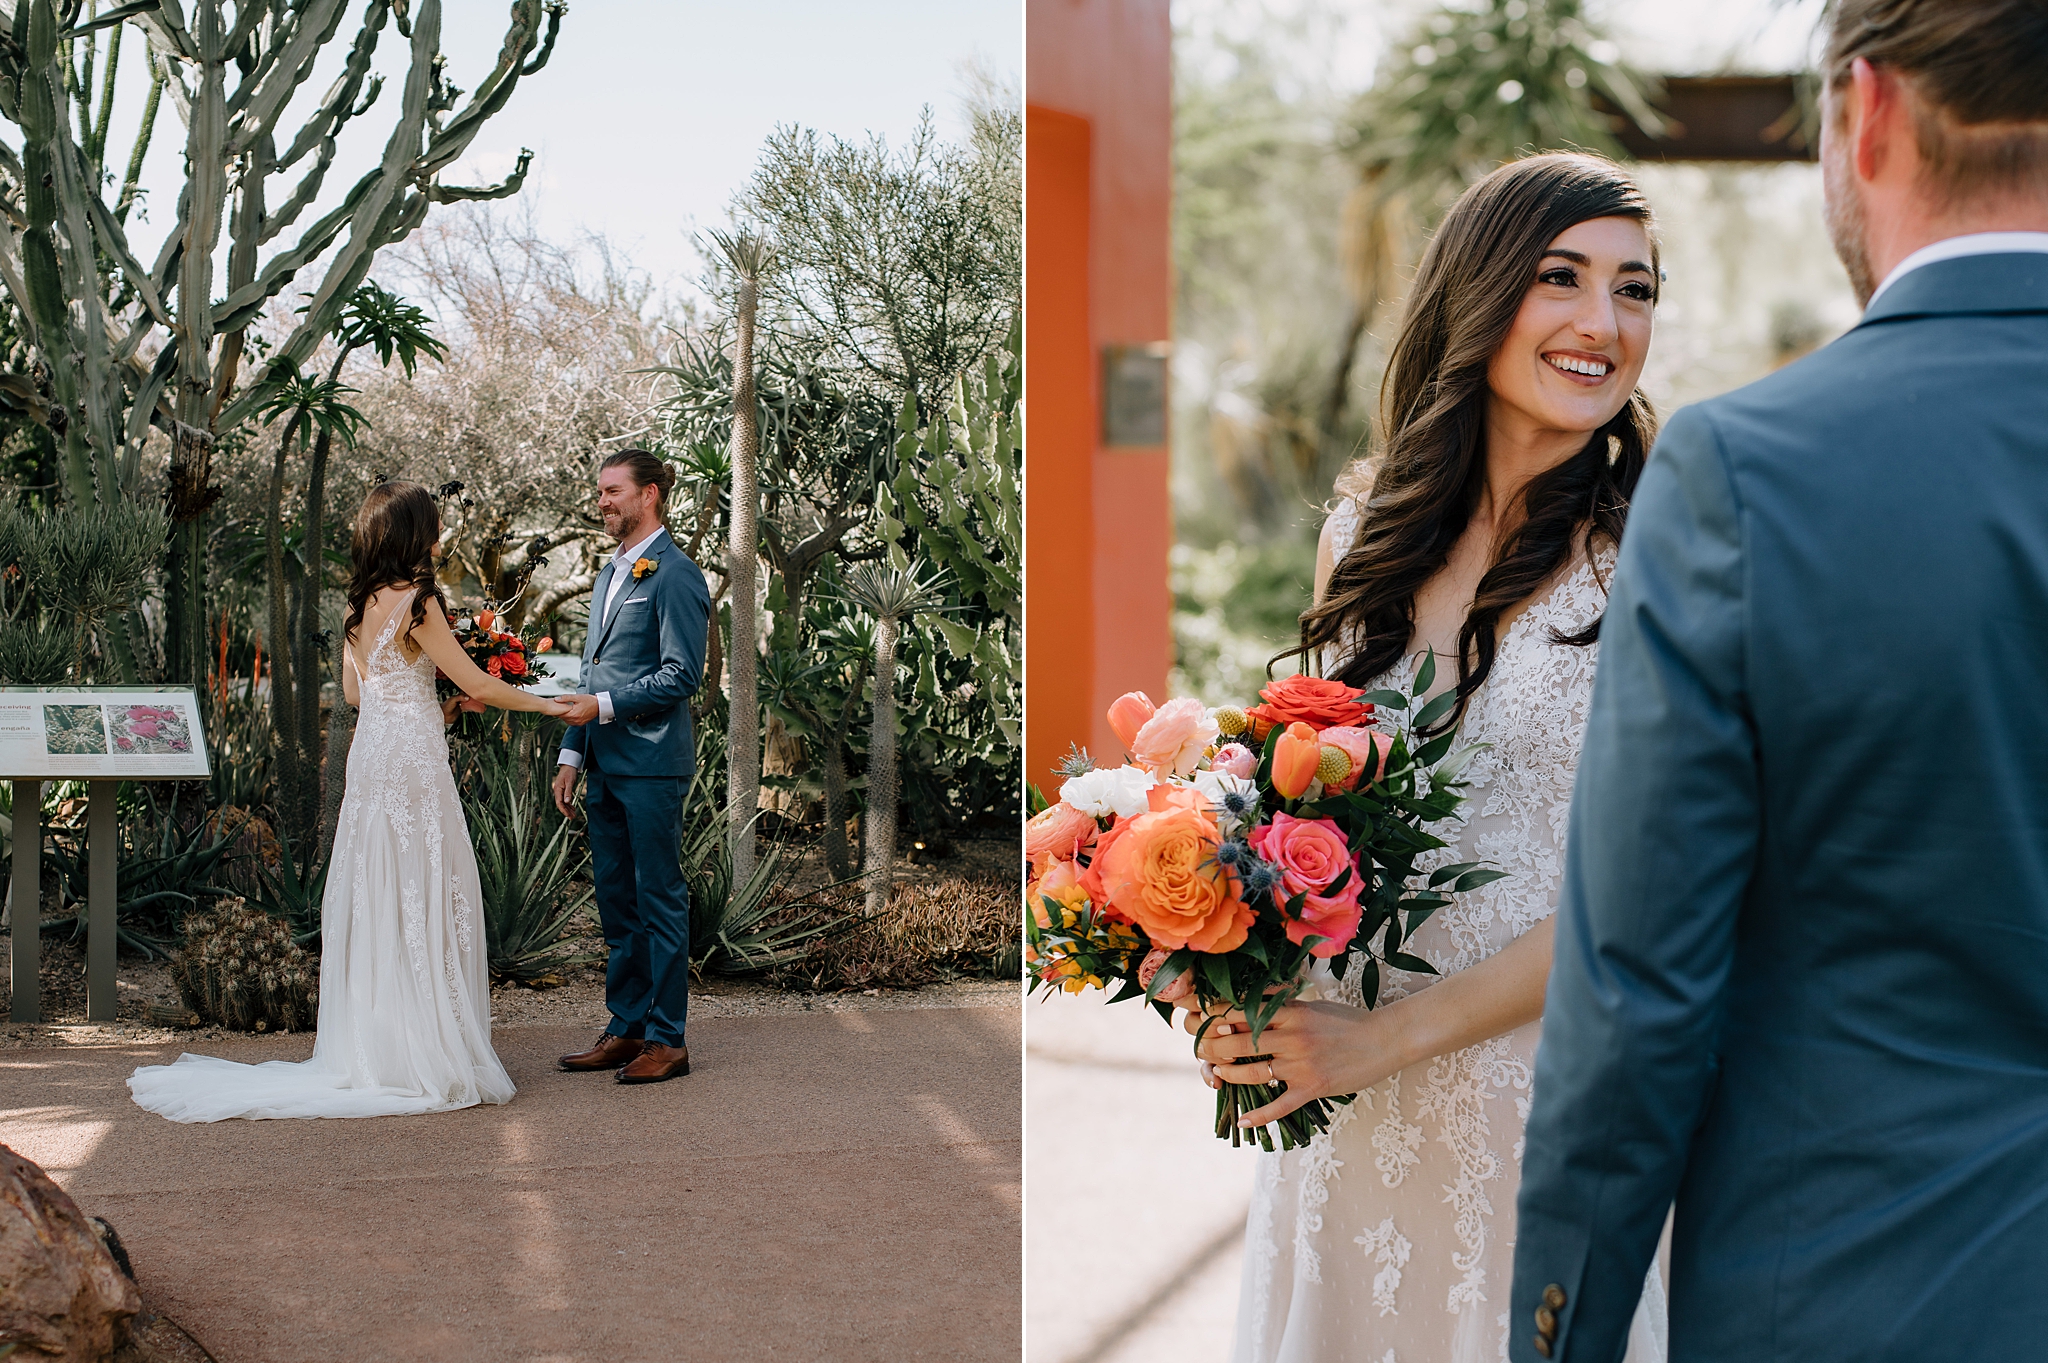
(1429, 477)
(393, 546)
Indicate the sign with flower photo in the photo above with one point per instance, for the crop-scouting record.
(92, 732)
(1236, 846)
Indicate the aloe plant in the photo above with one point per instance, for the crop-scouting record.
(293, 892)
(232, 68)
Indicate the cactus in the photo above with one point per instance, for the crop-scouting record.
(231, 77)
(240, 968)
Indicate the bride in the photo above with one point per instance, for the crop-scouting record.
(405, 1005)
(1484, 534)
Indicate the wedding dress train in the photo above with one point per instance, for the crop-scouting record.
(404, 1023)
(1390, 1237)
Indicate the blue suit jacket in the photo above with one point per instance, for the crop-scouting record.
(1801, 982)
(648, 651)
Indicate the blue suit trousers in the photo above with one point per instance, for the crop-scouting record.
(643, 902)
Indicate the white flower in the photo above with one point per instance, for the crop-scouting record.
(1214, 785)
(1110, 790)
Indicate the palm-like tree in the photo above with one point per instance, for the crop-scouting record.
(893, 596)
(748, 259)
(313, 409)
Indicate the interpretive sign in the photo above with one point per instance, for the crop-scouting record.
(100, 732)
(103, 735)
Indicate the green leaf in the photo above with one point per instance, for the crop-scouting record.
(1414, 964)
(1369, 982)
(1445, 874)
(1386, 700)
(1425, 674)
(1216, 969)
(1128, 989)
(1417, 917)
(1435, 748)
(1472, 880)
(1429, 714)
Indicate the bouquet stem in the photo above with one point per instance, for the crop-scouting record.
(1297, 1128)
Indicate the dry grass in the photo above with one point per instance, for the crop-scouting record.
(945, 927)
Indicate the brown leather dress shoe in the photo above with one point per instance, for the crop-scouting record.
(655, 1064)
(609, 1053)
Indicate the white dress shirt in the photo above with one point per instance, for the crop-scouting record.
(622, 573)
(1969, 244)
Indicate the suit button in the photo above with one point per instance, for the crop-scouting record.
(1542, 1346)
(1553, 1297)
(1546, 1321)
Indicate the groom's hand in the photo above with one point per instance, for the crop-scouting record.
(582, 709)
(565, 789)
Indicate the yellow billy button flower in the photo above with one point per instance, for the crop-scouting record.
(1334, 765)
(1232, 721)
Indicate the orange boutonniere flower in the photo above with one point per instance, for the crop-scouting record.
(642, 567)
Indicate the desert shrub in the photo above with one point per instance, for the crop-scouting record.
(934, 930)
(239, 968)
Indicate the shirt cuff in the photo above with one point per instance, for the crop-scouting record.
(604, 707)
(569, 757)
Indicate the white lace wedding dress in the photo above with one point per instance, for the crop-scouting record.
(1390, 1237)
(405, 1022)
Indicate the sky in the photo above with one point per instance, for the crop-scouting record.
(651, 112)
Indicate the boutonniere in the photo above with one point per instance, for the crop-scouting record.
(642, 567)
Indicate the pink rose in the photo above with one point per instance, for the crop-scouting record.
(1367, 749)
(1057, 833)
(1311, 854)
(1235, 759)
(1175, 989)
(1127, 715)
(1172, 741)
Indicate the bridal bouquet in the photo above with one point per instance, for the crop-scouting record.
(1238, 844)
(502, 653)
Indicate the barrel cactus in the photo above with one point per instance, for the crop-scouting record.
(240, 968)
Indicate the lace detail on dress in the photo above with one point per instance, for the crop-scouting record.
(1445, 1140)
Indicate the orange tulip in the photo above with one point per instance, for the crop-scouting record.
(1295, 758)
(485, 618)
(1127, 715)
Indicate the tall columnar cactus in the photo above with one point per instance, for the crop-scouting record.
(748, 261)
(239, 968)
(892, 595)
(232, 68)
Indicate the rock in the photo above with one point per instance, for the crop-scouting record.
(62, 1296)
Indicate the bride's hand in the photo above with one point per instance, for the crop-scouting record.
(1317, 1049)
(561, 707)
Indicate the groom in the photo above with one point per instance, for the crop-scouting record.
(1801, 972)
(643, 657)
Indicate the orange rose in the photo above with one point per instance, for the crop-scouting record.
(1295, 758)
(1161, 871)
(1127, 715)
(1314, 701)
(1057, 833)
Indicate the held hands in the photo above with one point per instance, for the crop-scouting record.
(564, 789)
(1317, 1049)
(459, 705)
(560, 707)
(582, 709)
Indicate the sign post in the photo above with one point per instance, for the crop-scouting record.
(102, 735)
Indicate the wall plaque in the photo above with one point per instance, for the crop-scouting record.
(1134, 395)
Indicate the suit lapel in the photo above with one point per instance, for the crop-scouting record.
(653, 551)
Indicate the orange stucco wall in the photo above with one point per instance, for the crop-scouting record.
(1097, 272)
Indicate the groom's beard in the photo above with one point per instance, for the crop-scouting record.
(1847, 228)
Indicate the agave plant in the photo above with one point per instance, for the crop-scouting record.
(526, 858)
(294, 893)
(891, 594)
(166, 874)
(737, 925)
